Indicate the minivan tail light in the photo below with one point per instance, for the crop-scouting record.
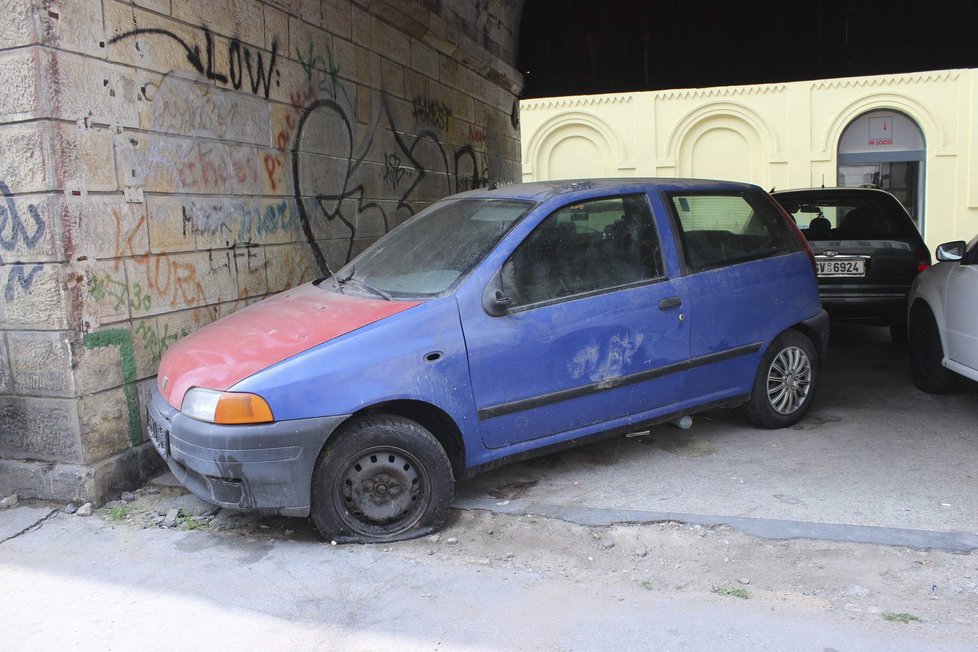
(923, 259)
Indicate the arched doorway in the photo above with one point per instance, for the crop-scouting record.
(886, 149)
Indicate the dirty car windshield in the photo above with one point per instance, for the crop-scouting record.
(431, 251)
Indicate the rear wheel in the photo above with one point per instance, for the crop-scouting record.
(784, 386)
(382, 478)
(927, 354)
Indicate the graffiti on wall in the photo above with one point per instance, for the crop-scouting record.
(432, 113)
(232, 67)
(274, 161)
(220, 190)
(340, 194)
(122, 338)
(16, 234)
(394, 171)
(323, 73)
(319, 147)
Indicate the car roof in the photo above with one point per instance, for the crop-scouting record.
(540, 191)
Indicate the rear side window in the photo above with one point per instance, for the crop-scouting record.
(723, 229)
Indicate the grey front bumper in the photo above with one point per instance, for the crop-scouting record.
(266, 466)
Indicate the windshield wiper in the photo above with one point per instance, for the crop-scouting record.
(366, 286)
(341, 282)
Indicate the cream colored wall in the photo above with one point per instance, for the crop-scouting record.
(775, 135)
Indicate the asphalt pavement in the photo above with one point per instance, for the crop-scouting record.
(77, 583)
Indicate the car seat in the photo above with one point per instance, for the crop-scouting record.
(820, 228)
(863, 224)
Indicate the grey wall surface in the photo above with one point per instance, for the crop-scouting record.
(165, 163)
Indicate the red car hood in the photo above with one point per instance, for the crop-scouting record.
(229, 350)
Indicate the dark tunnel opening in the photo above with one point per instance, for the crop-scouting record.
(570, 47)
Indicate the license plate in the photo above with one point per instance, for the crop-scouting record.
(852, 267)
(158, 435)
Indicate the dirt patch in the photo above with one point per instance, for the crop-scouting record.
(678, 443)
(512, 490)
(907, 587)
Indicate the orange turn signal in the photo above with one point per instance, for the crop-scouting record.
(233, 407)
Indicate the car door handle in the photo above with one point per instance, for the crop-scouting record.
(670, 302)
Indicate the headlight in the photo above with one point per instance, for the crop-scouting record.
(225, 407)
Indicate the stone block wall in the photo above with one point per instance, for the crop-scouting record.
(165, 163)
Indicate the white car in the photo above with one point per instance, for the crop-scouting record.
(943, 319)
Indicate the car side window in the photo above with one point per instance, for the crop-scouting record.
(585, 247)
(722, 229)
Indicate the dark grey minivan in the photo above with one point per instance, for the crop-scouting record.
(867, 249)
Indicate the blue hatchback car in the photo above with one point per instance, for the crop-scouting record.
(494, 325)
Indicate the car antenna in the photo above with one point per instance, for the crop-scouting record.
(823, 179)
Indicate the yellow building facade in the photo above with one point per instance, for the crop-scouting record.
(915, 135)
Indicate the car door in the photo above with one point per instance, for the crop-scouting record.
(749, 278)
(960, 312)
(594, 330)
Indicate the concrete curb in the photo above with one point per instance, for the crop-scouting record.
(760, 527)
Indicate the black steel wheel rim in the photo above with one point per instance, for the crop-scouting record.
(382, 491)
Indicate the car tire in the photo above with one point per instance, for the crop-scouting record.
(381, 479)
(785, 383)
(927, 353)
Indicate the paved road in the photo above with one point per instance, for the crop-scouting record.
(86, 584)
(874, 451)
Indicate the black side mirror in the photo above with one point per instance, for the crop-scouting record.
(951, 251)
(494, 302)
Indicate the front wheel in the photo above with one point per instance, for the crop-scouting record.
(927, 354)
(379, 479)
(784, 386)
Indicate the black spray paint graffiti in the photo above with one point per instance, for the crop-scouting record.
(476, 177)
(431, 113)
(394, 172)
(343, 199)
(240, 59)
(13, 231)
(330, 204)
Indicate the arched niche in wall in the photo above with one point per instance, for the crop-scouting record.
(574, 146)
(722, 146)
